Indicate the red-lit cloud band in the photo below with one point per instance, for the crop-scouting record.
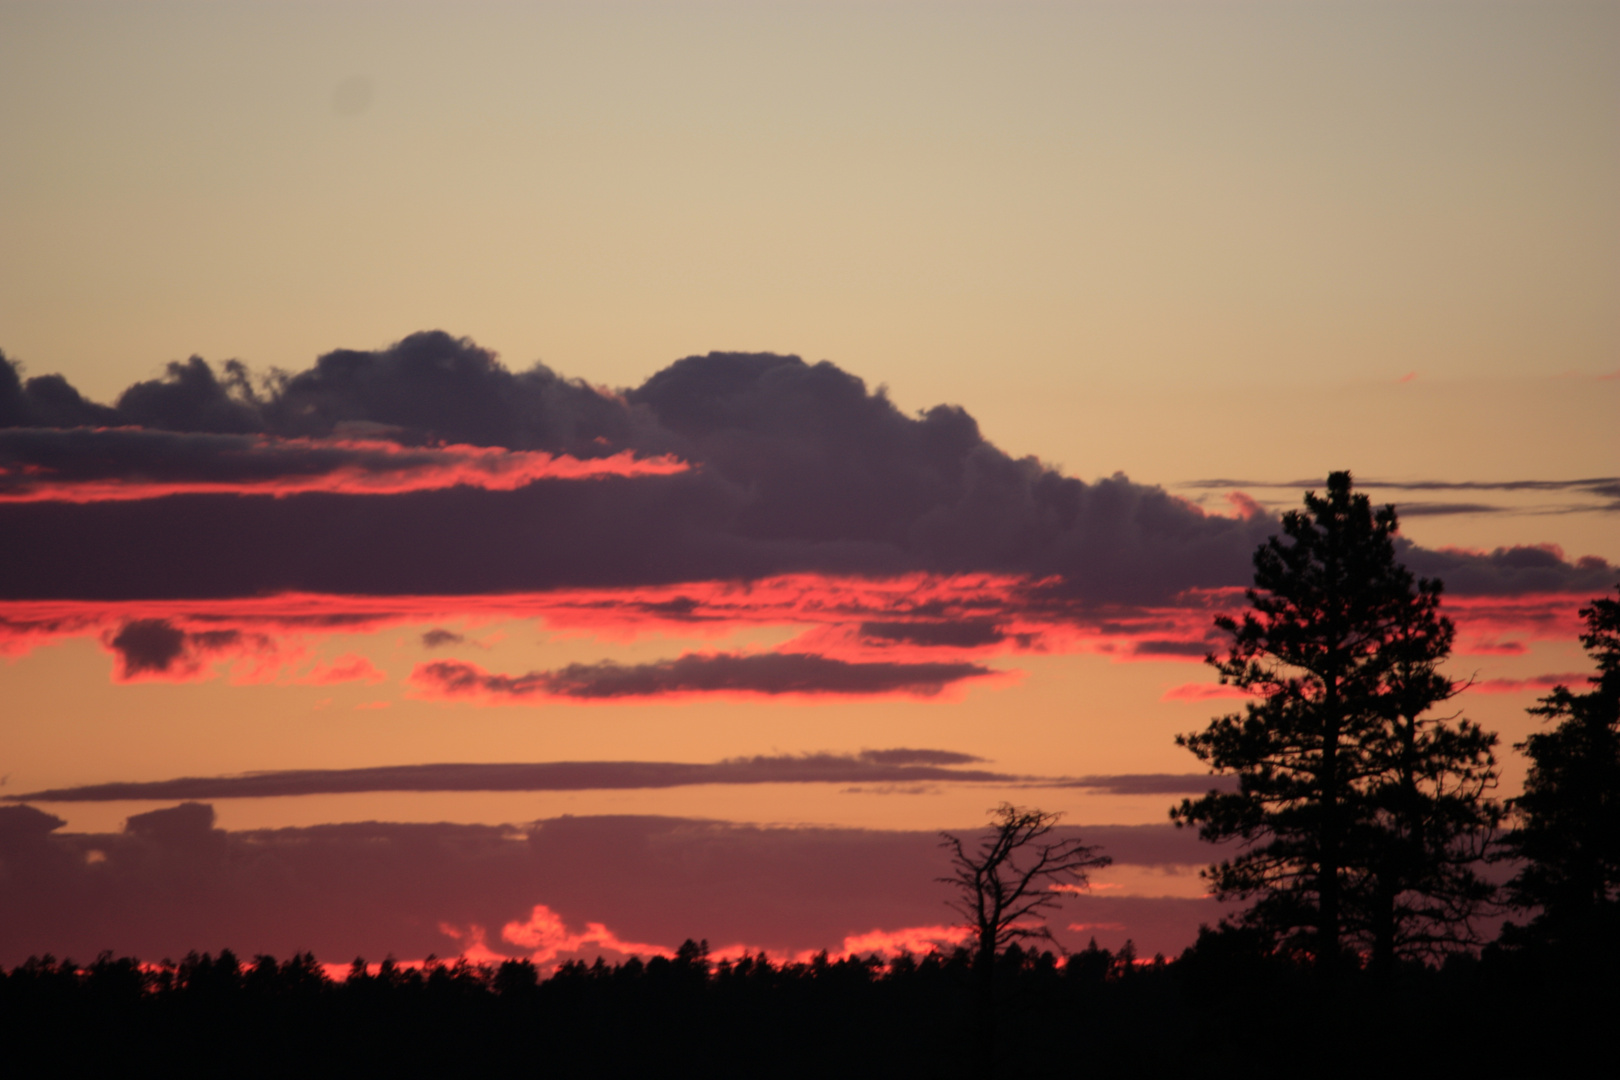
(912, 634)
(91, 465)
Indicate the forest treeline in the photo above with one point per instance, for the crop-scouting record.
(1225, 1007)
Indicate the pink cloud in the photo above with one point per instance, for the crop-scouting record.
(546, 937)
(1489, 646)
(266, 465)
(1245, 505)
(908, 939)
(546, 940)
(350, 667)
(1202, 692)
(1534, 682)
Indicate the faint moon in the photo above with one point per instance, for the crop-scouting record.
(352, 96)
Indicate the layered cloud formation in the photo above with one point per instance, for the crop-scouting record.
(794, 467)
(210, 519)
(171, 882)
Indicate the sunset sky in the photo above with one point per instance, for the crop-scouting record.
(918, 379)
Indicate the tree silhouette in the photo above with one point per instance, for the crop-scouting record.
(1004, 886)
(1432, 823)
(1360, 818)
(1568, 819)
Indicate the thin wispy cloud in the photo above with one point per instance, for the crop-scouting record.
(1598, 494)
(892, 766)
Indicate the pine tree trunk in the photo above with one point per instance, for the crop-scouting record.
(1327, 884)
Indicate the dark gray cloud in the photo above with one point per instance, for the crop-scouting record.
(148, 645)
(1154, 647)
(430, 387)
(438, 636)
(158, 647)
(1599, 483)
(869, 766)
(1440, 509)
(699, 673)
(1513, 570)
(46, 401)
(1150, 783)
(895, 766)
(956, 634)
(22, 824)
(798, 467)
(1584, 490)
(171, 883)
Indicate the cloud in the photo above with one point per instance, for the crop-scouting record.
(1441, 509)
(1152, 783)
(173, 883)
(1520, 569)
(545, 936)
(276, 632)
(433, 639)
(23, 824)
(800, 496)
(1534, 682)
(891, 769)
(1202, 692)
(772, 674)
(955, 634)
(1489, 646)
(156, 649)
(46, 401)
(1604, 489)
(89, 465)
(350, 667)
(1362, 483)
(798, 468)
(869, 766)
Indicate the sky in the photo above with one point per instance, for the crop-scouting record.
(513, 466)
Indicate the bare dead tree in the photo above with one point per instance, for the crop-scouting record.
(1004, 887)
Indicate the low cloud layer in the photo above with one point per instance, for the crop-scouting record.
(172, 883)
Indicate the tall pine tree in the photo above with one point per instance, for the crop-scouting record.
(1358, 815)
(1567, 822)
(1432, 822)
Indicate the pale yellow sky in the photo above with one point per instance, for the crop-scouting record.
(937, 196)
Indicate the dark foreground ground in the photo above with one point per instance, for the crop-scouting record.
(1215, 1012)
